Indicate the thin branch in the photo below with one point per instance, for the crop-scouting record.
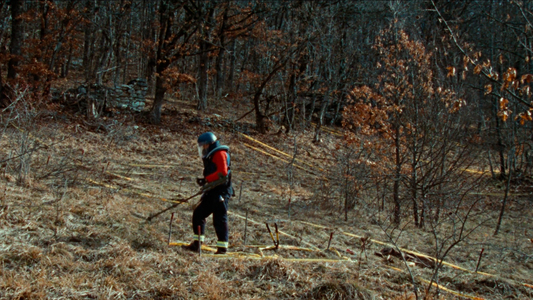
(488, 76)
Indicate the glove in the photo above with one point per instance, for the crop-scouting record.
(200, 181)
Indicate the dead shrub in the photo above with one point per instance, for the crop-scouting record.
(166, 292)
(21, 256)
(209, 286)
(146, 241)
(338, 290)
(273, 269)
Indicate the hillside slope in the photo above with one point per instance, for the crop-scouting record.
(71, 220)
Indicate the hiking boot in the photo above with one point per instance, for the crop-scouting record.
(192, 246)
(221, 250)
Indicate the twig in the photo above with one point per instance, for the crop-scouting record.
(277, 235)
(330, 237)
(479, 259)
(246, 226)
(240, 193)
(170, 227)
(181, 183)
(199, 240)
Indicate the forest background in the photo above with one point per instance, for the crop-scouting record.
(413, 116)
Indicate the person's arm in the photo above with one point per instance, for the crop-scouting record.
(220, 159)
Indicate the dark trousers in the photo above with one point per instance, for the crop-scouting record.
(211, 204)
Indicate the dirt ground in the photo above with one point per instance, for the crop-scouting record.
(72, 219)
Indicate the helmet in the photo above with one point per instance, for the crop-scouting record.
(207, 138)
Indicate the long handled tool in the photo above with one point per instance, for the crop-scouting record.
(275, 241)
(178, 202)
(209, 186)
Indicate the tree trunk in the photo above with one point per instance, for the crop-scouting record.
(325, 104)
(259, 117)
(161, 65)
(347, 194)
(397, 174)
(220, 58)
(501, 148)
(16, 38)
(4, 101)
(290, 104)
(229, 84)
(219, 72)
(66, 66)
(414, 195)
(160, 90)
(504, 202)
(202, 78)
(337, 109)
(312, 110)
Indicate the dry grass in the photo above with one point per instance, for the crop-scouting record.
(62, 236)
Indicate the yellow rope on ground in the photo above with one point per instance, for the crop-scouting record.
(344, 259)
(440, 287)
(125, 190)
(289, 247)
(119, 176)
(103, 184)
(420, 254)
(285, 247)
(276, 157)
(150, 166)
(325, 128)
(204, 247)
(437, 285)
(330, 260)
(244, 255)
(281, 232)
(281, 152)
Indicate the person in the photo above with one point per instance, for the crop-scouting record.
(214, 201)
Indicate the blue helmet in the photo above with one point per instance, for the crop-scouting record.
(206, 139)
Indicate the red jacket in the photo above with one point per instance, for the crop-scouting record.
(220, 159)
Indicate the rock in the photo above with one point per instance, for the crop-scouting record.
(126, 96)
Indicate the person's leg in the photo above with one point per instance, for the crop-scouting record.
(220, 221)
(201, 212)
